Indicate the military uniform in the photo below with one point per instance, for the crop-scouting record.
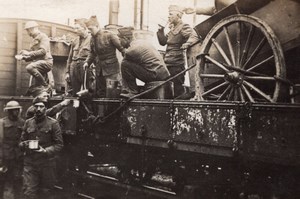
(144, 62)
(103, 55)
(79, 51)
(11, 155)
(39, 168)
(174, 56)
(41, 57)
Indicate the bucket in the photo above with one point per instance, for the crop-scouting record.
(33, 144)
(165, 91)
(113, 88)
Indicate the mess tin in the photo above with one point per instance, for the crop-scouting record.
(33, 144)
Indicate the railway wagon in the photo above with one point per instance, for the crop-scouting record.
(239, 138)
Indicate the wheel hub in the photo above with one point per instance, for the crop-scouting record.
(234, 78)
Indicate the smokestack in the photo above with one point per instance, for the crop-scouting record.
(113, 12)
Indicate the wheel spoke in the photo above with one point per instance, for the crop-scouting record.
(257, 90)
(216, 63)
(255, 52)
(259, 78)
(260, 63)
(235, 95)
(238, 45)
(224, 93)
(231, 93)
(215, 88)
(221, 51)
(229, 45)
(241, 94)
(217, 76)
(247, 93)
(247, 44)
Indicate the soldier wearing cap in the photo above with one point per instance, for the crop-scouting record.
(178, 35)
(39, 54)
(39, 163)
(80, 48)
(10, 154)
(141, 61)
(103, 54)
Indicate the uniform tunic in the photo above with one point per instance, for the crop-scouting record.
(174, 57)
(42, 59)
(144, 62)
(39, 168)
(80, 48)
(11, 155)
(103, 55)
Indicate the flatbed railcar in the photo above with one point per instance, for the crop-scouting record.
(238, 138)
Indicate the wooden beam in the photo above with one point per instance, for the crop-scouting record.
(19, 63)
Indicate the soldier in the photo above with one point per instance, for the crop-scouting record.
(39, 164)
(79, 51)
(40, 56)
(103, 54)
(11, 156)
(141, 61)
(178, 35)
(51, 112)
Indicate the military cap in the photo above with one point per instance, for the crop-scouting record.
(80, 22)
(177, 9)
(126, 32)
(40, 99)
(92, 21)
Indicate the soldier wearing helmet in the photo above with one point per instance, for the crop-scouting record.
(39, 55)
(10, 154)
(39, 164)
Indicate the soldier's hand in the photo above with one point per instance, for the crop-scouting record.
(41, 150)
(185, 46)
(85, 66)
(189, 10)
(24, 144)
(24, 53)
(67, 77)
(66, 102)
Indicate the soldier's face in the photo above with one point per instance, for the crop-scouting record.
(124, 42)
(31, 31)
(40, 109)
(80, 31)
(173, 17)
(13, 114)
(93, 29)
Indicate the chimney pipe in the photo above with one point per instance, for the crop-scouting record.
(113, 12)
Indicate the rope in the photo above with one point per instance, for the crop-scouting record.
(102, 120)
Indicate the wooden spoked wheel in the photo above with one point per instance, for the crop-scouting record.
(241, 60)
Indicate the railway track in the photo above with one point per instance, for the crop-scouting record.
(93, 185)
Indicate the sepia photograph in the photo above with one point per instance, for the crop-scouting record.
(150, 99)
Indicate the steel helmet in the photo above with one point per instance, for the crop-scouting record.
(12, 105)
(30, 24)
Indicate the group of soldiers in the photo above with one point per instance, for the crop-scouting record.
(92, 47)
(93, 56)
(19, 157)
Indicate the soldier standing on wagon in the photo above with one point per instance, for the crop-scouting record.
(178, 35)
(79, 51)
(10, 154)
(103, 54)
(40, 56)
